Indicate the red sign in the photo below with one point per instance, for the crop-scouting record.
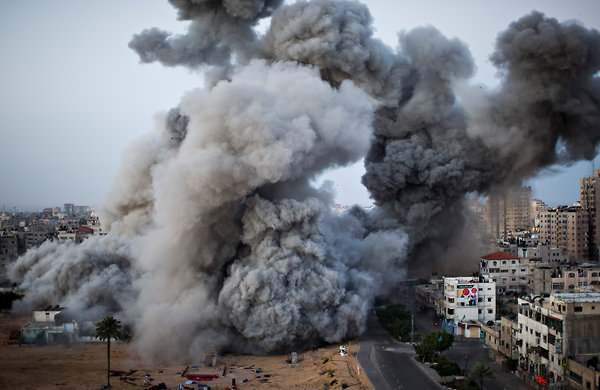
(540, 380)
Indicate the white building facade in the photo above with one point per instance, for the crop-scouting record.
(509, 272)
(468, 302)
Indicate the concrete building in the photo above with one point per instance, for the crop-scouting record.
(509, 212)
(545, 253)
(509, 336)
(69, 208)
(583, 375)
(589, 198)
(430, 295)
(537, 208)
(509, 272)
(548, 279)
(554, 328)
(491, 336)
(9, 251)
(566, 228)
(48, 327)
(541, 340)
(468, 303)
(78, 235)
(79, 210)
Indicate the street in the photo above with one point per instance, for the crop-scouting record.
(390, 364)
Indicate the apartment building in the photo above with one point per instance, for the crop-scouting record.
(8, 252)
(554, 328)
(509, 272)
(589, 198)
(582, 376)
(468, 302)
(540, 340)
(509, 212)
(548, 279)
(545, 253)
(509, 335)
(537, 208)
(566, 228)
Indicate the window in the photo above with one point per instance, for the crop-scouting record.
(450, 312)
(578, 309)
(490, 299)
(490, 311)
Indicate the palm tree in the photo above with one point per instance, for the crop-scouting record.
(481, 371)
(106, 329)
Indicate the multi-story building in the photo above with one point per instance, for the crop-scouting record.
(9, 251)
(589, 198)
(545, 253)
(583, 376)
(509, 212)
(509, 335)
(537, 207)
(554, 328)
(509, 272)
(541, 339)
(566, 228)
(468, 302)
(548, 279)
(431, 295)
(491, 336)
(69, 208)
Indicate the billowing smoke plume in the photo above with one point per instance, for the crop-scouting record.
(229, 245)
(92, 278)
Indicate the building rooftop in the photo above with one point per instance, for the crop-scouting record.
(500, 256)
(579, 297)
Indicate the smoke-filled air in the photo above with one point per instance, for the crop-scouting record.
(216, 236)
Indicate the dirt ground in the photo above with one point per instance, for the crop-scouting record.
(83, 366)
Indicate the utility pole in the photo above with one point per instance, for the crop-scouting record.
(412, 328)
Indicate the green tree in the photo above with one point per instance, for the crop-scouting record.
(106, 329)
(397, 320)
(445, 367)
(433, 343)
(479, 372)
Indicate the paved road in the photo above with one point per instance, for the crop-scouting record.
(388, 364)
(472, 349)
(469, 352)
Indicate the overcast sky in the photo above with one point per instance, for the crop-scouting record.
(73, 96)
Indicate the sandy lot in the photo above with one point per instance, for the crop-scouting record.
(83, 366)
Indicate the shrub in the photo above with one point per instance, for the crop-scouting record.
(431, 344)
(445, 367)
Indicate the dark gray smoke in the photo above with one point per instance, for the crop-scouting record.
(221, 33)
(230, 245)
